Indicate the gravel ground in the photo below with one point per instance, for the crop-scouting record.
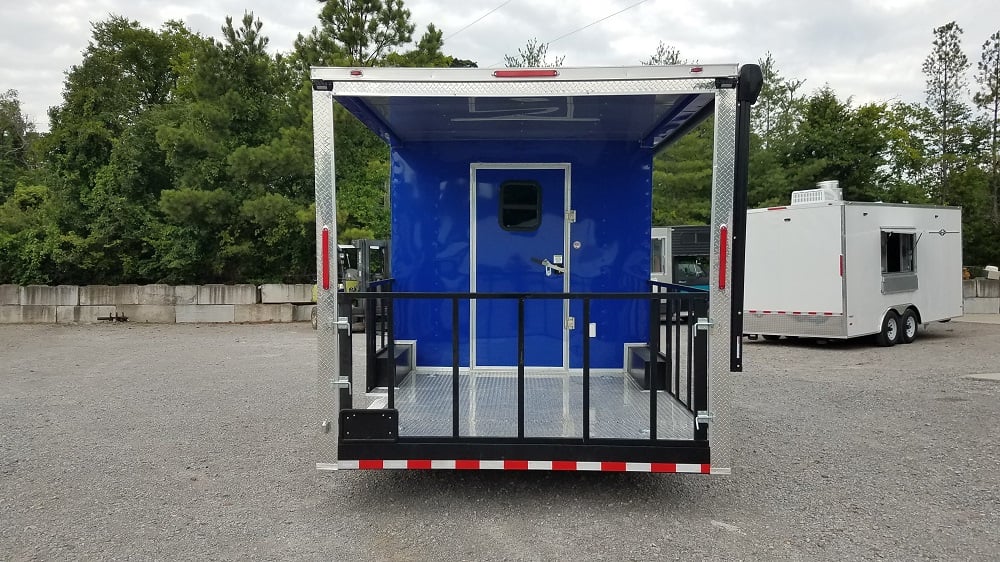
(196, 442)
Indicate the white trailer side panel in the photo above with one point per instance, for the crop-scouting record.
(794, 284)
(934, 287)
(662, 258)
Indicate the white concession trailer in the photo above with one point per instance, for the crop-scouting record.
(826, 268)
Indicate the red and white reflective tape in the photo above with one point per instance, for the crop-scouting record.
(795, 313)
(472, 464)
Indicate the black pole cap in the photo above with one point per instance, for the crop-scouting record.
(750, 82)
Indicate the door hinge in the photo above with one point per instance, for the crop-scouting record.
(342, 382)
(571, 216)
(704, 417)
(571, 323)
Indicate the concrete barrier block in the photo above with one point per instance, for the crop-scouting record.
(982, 305)
(44, 295)
(281, 293)
(186, 294)
(10, 294)
(102, 295)
(83, 314)
(152, 313)
(303, 313)
(969, 288)
(207, 313)
(227, 294)
(159, 295)
(10, 314)
(38, 314)
(989, 288)
(265, 312)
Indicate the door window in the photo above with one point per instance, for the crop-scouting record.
(520, 206)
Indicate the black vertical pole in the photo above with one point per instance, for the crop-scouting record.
(653, 366)
(699, 401)
(690, 350)
(392, 354)
(520, 367)
(371, 361)
(586, 370)
(346, 362)
(747, 89)
(454, 367)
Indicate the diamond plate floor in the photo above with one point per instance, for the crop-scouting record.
(619, 408)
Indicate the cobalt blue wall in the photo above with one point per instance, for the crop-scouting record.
(611, 193)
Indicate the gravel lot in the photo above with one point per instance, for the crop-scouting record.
(195, 442)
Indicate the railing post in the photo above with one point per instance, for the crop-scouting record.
(392, 352)
(699, 403)
(653, 365)
(371, 347)
(454, 367)
(586, 370)
(520, 367)
(346, 363)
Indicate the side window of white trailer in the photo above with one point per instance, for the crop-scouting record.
(898, 262)
(520, 205)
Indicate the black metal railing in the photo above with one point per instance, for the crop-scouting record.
(676, 348)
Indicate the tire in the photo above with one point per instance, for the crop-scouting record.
(891, 330)
(908, 326)
(771, 337)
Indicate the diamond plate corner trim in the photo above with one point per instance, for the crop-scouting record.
(719, 390)
(535, 88)
(327, 395)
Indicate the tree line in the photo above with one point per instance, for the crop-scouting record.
(941, 152)
(179, 158)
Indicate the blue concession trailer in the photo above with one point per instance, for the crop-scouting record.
(520, 329)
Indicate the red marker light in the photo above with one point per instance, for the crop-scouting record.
(356, 73)
(696, 69)
(723, 246)
(326, 257)
(526, 73)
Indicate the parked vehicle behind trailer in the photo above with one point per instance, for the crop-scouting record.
(827, 268)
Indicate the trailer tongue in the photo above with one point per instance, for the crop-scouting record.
(519, 330)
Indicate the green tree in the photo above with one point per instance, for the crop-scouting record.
(945, 70)
(987, 99)
(16, 136)
(366, 30)
(126, 70)
(426, 53)
(235, 140)
(664, 55)
(682, 179)
(533, 55)
(834, 141)
(774, 114)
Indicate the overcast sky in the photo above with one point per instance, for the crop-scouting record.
(870, 50)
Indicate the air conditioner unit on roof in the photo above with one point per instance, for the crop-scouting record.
(825, 191)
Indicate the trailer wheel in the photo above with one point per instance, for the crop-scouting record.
(909, 326)
(891, 332)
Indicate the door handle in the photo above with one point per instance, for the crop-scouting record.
(549, 266)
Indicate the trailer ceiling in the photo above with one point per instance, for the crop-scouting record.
(651, 106)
